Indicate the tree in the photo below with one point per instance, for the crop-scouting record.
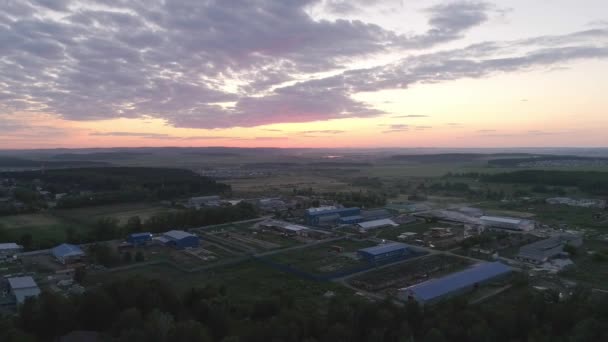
(139, 256)
(134, 225)
(26, 240)
(127, 257)
(570, 249)
(189, 331)
(80, 274)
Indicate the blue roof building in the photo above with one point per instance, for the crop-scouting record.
(351, 219)
(138, 239)
(456, 283)
(314, 216)
(180, 239)
(67, 253)
(384, 252)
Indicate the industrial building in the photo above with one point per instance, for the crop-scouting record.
(67, 253)
(351, 219)
(203, 201)
(542, 251)
(376, 224)
(384, 252)
(375, 214)
(287, 228)
(328, 215)
(434, 290)
(139, 239)
(508, 224)
(7, 250)
(180, 239)
(22, 288)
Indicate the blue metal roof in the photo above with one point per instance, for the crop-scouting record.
(351, 218)
(386, 248)
(456, 281)
(137, 235)
(332, 211)
(65, 250)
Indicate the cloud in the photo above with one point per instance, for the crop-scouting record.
(324, 131)
(220, 64)
(396, 128)
(411, 116)
(129, 134)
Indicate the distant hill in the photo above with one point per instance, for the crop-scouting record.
(20, 162)
(99, 155)
(454, 157)
(545, 161)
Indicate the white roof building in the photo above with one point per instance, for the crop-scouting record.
(10, 248)
(507, 223)
(23, 287)
(377, 224)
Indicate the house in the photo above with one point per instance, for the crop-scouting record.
(435, 290)
(139, 239)
(180, 239)
(22, 288)
(67, 253)
(384, 252)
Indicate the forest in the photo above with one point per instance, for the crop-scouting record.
(139, 309)
(592, 182)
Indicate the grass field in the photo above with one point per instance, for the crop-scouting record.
(246, 281)
(121, 212)
(321, 258)
(45, 228)
(588, 271)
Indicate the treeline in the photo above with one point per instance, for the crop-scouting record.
(362, 199)
(96, 186)
(588, 181)
(513, 162)
(140, 309)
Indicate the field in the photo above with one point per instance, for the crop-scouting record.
(45, 228)
(587, 270)
(321, 259)
(245, 281)
(121, 212)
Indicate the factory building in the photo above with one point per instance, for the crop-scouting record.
(67, 253)
(384, 252)
(328, 215)
(7, 250)
(375, 214)
(139, 239)
(285, 227)
(22, 288)
(376, 224)
(541, 251)
(180, 239)
(508, 224)
(434, 290)
(351, 219)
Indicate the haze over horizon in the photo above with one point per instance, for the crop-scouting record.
(295, 73)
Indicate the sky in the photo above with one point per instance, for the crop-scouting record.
(303, 73)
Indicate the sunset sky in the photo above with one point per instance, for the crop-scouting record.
(303, 73)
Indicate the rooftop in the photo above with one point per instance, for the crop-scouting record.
(510, 220)
(66, 249)
(178, 234)
(136, 235)
(377, 223)
(21, 283)
(9, 246)
(385, 248)
(438, 287)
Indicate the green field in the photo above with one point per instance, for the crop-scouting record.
(121, 212)
(587, 270)
(246, 281)
(321, 258)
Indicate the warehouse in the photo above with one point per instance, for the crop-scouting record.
(384, 252)
(375, 214)
(285, 227)
(22, 288)
(7, 250)
(139, 239)
(351, 219)
(376, 224)
(180, 239)
(328, 215)
(67, 253)
(543, 250)
(434, 290)
(508, 224)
